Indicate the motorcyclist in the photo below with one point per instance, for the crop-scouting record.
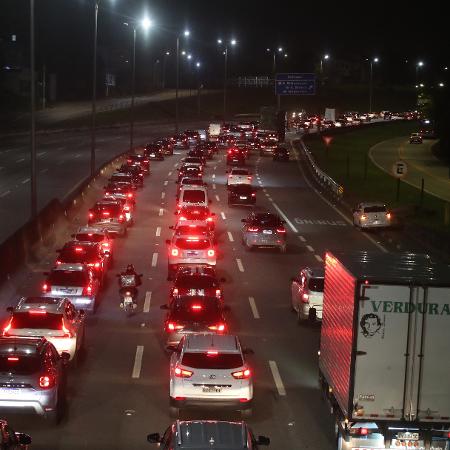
(130, 287)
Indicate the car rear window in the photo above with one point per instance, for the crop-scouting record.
(112, 209)
(194, 196)
(205, 361)
(121, 178)
(73, 255)
(186, 229)
(267, 221)
(239, 172)
(68, 278)
(193, 244)
(89, 237)
(195, 282)
(45, 320)
(24, 365)
(316, 284)
(375, 209)
(198, 213)
(199, 310)
(242, 189)
(192, 181)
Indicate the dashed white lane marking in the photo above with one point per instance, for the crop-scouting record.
(4, 194)
(222, 214)
(277, 378)
(283, 215)
(309, 248)
(148, 299)
(302, 238)
(154, 259)
(20, 160)
(163, 194)
(214, 186)
(169, 174)
(239, 264)
(269, 198)
(175, 165)
(264, 190)
(41, 153)
(267, 195)
(26, 180)
(138, 362)
(77, 155)
(260, 182)
(217, 198)
(161, 211)
(215, 167)
(44, 170)
(166, 183)
(158, 231)
(319, 258)
(253, 307)
(230, 236)
(213, 176)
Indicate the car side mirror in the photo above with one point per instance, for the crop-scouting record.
(65, 356)
(168, 241)
(263, 440)
(243, 220)
(24, 439)
(10, 309)
(154, 438)
(164, 306)
(223, 280)
(248, 351)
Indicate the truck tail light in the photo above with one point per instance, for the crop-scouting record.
(183, 373)
(242, 374)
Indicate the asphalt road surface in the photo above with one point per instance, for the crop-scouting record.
(116, 398)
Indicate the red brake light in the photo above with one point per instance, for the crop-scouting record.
(242, 374)
(209, 219)
(39, 311)
(212, 352)
(175, 291)
(105, 244)
(363, 431)
(218, 327)
(183, 373)
(281, 230)
(13, 358)
(218, 293)
(230, 151)
(46, 381)
(58, 262)
(249, 177)
(211, 253)
(91, 215)
(174, 252)
(196, 307)
(78, 249)
(182, 218)
(388, 215)
(253, 229)
(97, 265)
(172, 326)
(121, 218)
(105, 213)
(45, 288)
(130, 195)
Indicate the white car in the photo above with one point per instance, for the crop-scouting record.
(371, 215)
(54, 318)
(209, 370)
(239, 176)
(193, 195)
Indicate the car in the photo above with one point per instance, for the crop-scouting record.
(122, 177)
(199, 214)
(188, 314)
(211, 148)
(127, 205)
(267, 146)
(142, 160)
(84, 252)
(32, 377)
(254, 143)
(97, 235)
(135, 171)
(307, 294)
(154, 152)
(75, 281)
(126, 190)
(188, 250)
(194, 161)
(198, 152)
(193, 195)
(193, 228)
(264, 229)
(201, 281)
(180, 140)
(415, 138)
(238, 176)
(371, 215)
(110, 215)
(208, 435)
(235, 157)
(54, 318)
(192, 136)
(243, 147)
(166, 145)
(281, 153)
(427, 133)
(189, 181)
(189, 171)
(225, 141)
(12, 440)
(241, 194)
(209, 370)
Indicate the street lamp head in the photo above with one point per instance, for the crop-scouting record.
(146, 23)
(375, 60)
(167, 53)
(186, 33)
(420, 63)
(285, 55)
(268, 49)
(189, 56)
(280, 49)
(219, 41)
(183, 52)
(421, 85)
(233, 42)
(197, 64)
(441, 85)
(326, 56)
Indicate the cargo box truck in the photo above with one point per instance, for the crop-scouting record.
(384, 360)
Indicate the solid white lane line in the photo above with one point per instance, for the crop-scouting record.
(163, 194)
(161, 211)
(25, 181)
(148, 299)
(138, 362)
(309, 248)
(158, 231)
(267, 195)
(230, 236)
(214, 186)
(166, 183)
(20, 160)
(175, 165)
(277, 378)
(4, 194)
(223, 215)
(154, 259)
(217, 198)
(302, 238)
(319, 258)
(253, 307)
(283, 215)
(239, 264)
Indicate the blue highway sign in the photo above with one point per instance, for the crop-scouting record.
(295, 84)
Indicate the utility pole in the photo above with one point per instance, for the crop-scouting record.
(33, 117)
(44, 100)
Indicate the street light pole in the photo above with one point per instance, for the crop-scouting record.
(177, 85)
(163, 83)
(225, 84)
(133, 81)
(373, 60)
(33, 205)
(94, 89)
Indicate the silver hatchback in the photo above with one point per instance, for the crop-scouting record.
(264, 230)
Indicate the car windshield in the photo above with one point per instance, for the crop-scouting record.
(194, 196)
(316, 284)
(39, 319)
(89, 237)
(195, 282)
(374, 209)
(193, 243)
(212, 361)
(68, 278)
(239, 172)
(19, 365)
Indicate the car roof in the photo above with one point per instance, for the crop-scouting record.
(226, 343)
(70, 267)
(25, 346)
(75, 243)
(368, 204)
(206, 434)
(50, 304)
(264, 215)
(93, 230)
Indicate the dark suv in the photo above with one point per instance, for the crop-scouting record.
(32, 376)
(207, 435)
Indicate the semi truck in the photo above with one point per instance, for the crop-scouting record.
(384, 359)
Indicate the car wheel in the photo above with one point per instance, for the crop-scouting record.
(174, 412)
(246, 413)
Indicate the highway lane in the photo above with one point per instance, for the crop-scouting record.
(121, 392)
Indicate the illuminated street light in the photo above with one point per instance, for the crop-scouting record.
(146, 23)
(186, 33)
(373, 60)
(233, 42)
(441, 84)
(325, 57)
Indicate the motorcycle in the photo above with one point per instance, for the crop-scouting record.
(128, 292)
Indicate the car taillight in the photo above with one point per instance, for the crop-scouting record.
(230, 151)
(173, 326)
(105, 213)
(8, 327)
(211, 253)
(218, 327)
(67, 332)
(175, 291)
(196, 307)
(121, 218)
(105, 244)
(363, 217)
(126, 208)
(87, 290)
(281, 230)
(242, 374)
(141, 174)
(174, 252)
(218, 293)
(209, 219)
(46, 287)
(253, 229)
(253, 194)
(130, 195)
(183, 373)
(97, 265)
(46, 381)
(388, 215)
(91, 215)
(58, 262)
(249, 178)
(13, 358)
(305, 298)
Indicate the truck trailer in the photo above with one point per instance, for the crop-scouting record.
(384, 360)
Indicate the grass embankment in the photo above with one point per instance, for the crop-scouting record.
(347, 162)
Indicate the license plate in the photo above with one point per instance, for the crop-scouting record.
(192, 253)
(67, 291)
(267, 231)
(212, 389)
(406, 435)
(243, 197)
(152, 154)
